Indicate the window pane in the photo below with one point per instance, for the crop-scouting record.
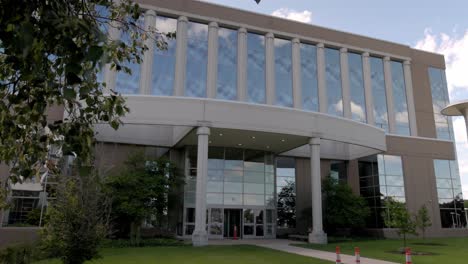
(255, 68)
(440, 99)
(283, 72)
(212, 186)
(253, 199)
(333, 81)
(356, 87)
(129, 83)
(227, 64)
(309, 77)
(214, 198)
(399, 98)
(164, 60)
(233, 187)
(378, 93)
(232, 199)
(197, 55)
(254, 188)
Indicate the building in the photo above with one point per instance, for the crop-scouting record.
(257, 109)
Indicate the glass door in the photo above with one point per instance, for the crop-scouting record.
(259, 223)
(248, 223)
(215, 223)
(232, 220)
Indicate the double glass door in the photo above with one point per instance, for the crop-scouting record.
(249, 223)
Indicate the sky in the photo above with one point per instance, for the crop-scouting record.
(432, 25)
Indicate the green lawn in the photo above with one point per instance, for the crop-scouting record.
(205, 255)
(455, 250)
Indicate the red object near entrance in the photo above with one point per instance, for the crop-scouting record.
(235, 232)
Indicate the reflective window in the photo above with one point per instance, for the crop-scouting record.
(129, 83)
(449, 193)
(333, 81)
(255, 68)
(440, 99)
(399, 98)
(227, 64)
(283, 72)
(286, 191)
(380, 178)
(309, 77)
(356, 87)
(339, 170)
(378, 93)
(197, 56)
(162, 80)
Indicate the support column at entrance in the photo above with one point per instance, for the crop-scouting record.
(317, 236)
(200, 236)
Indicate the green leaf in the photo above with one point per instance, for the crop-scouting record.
(69, 93)
(95, 53)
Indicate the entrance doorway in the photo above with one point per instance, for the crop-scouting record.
(232, 218)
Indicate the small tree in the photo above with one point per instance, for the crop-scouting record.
(397, 216)
(76, 219)
(423, 220)
(141, 192)
(342, 208)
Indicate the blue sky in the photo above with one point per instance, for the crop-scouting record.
(437, 26)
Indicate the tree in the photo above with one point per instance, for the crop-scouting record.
(76, 219)
(342, 208)
(397, 216)
(423, 220)
(287, 205)
(141, 192)
(50, 56)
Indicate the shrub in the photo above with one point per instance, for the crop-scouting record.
(17, 254)
(153, 242)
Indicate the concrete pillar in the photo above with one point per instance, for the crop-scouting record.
(345, 83)
(389, 94)
(270, 68)
(410, 98)
(200, 236)
(241, 64)
(317, 236)
(181, 56)
(110, 74)
(368, 89)
(212, 68)
(296, 73)
(321, 79)
(148, 56)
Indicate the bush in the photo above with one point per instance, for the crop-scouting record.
(153, 242)
(17, 254)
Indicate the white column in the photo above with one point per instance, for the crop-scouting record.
(322, 84)
(368, 88)
(212, 68)
(147, 64)
(345, 83)
(181, 56)
(389, 94)
(296, 73)
(270, 68)
(317, 236)
(242, 64)
(410, 98)
(200, 236)
(110, 74)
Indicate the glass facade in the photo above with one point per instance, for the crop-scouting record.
(197, 60)
(236, 177)
(283, 72)
(129, 83)
(333, 82)
(440, 99)
(356, 87)
(381, 177)
(339, 170)
(162, 79)
(400, 104)
(286, 190)
(226, 87)
(449, 192)
(255, 68)
(378, 93)
(309, 77)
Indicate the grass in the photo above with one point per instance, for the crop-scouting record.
(206, 255)
(446, 250)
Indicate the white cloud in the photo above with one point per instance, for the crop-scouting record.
(455, 49)
(301, 16)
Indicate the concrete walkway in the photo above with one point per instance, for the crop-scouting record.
(283, 245)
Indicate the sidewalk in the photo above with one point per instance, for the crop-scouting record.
(283, 245)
